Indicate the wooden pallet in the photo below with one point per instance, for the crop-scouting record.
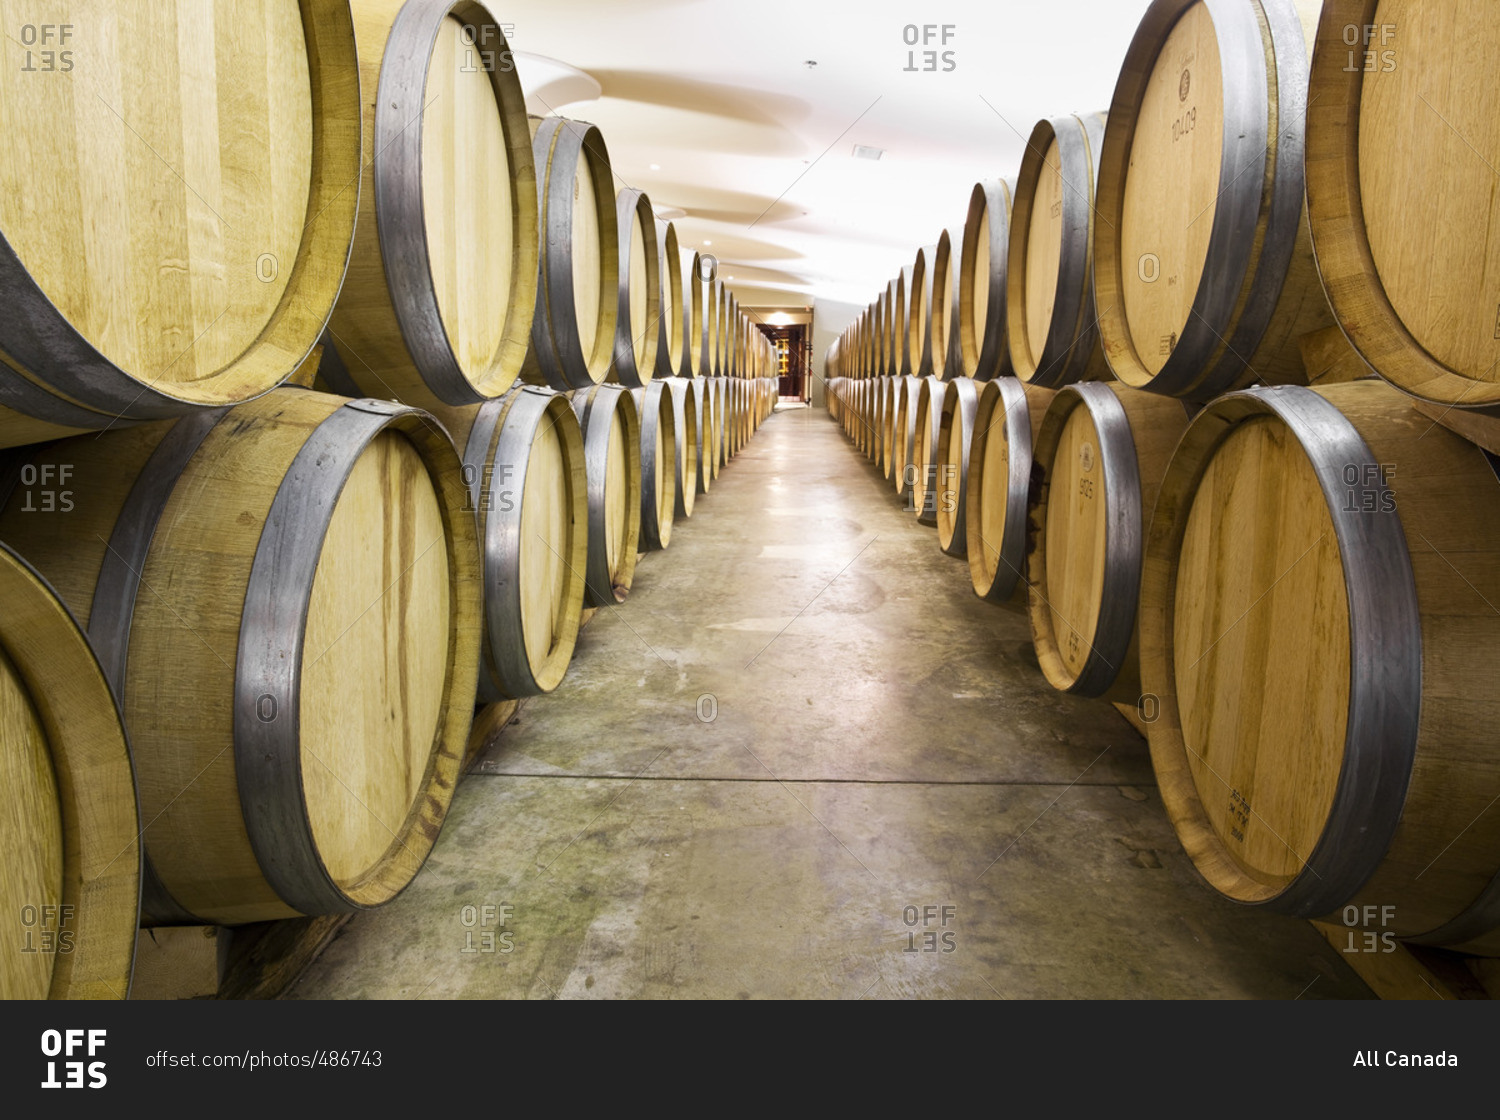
(1398, 970)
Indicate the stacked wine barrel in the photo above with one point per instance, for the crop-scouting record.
(343, 446)
(1216, 354)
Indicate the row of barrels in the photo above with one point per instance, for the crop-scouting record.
(1273, 196)
(241, 651)
(368, 168)
(1211, 490)
(1294, 587)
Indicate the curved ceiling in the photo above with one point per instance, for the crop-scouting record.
(745, 116)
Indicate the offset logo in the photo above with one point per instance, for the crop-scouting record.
(74, 1045)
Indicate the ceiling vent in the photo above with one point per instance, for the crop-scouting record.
(863, 152)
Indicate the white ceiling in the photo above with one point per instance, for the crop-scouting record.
(756, 146)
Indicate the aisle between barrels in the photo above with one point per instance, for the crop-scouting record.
(802, 760)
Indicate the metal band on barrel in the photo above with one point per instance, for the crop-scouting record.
(267, 753)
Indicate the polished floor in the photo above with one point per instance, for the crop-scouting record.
(804, 761)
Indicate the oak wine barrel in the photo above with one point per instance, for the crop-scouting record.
(685, 421)
(437, 306)
(524, 464)
(1203, 267)
(285, 596)
(955, 435)
(134, 291)
(70, 884)
(638, 317)
(1007, 416)
(612, 460)
(1318, 629)
(670, 349)
(577, 305)
(1400, 191)
(1051, 321)
(983, 344)
(658, 450)
(943, 324)
(926, 486)
(1098, 461)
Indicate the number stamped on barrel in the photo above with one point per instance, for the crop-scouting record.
(1239, 815)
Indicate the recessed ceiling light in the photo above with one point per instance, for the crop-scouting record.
(863, 152)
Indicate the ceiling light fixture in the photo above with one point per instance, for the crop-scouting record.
(861, 151)
(656, 167)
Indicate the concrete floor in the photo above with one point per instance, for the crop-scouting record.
(803, 760)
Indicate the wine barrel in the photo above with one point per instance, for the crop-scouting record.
(901, 356)
(903, 436)
(715, 452)
(670, 350)
(728, 332)
(692, 315)
(524, 464)
(955, 436)
(926, 484)
(1099, 458)
(943, 328)
(919, 307)
(299, 680)
(685, 421)
(1318, 627)
(895, 312)
(612, 460)
(658, 419)
(887, 388)
(1400, 238)
(703, 406)
(639, 315)
(1007, 417)
(708, 343)
(134, 291)
(72, 877)
(437, 306)
(1203, 267)
(577, 306)
(983, 345)
(1051, 322)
